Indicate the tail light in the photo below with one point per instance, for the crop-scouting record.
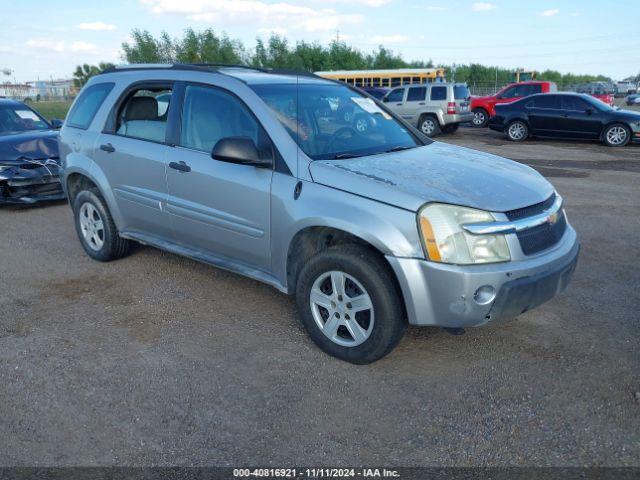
(451, 108)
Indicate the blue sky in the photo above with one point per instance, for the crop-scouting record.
(49, 38)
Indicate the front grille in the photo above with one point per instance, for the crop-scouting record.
(531, 210)
(536, 239)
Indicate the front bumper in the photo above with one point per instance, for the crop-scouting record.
(27, 184)
(447, 295)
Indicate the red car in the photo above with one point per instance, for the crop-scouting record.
(483, 108)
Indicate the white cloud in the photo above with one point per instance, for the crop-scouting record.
(482, 6)
(60, 46)
(273, 31)
(246, 11)
(550, 13)
(97, 26)
(387, 39)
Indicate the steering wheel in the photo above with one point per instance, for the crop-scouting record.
(339, 133)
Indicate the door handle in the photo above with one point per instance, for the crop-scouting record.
(399, 104)
(180, 166)
(107, 148)
(421, 103)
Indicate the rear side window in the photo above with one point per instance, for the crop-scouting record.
(535, 89)
(87, 105)
(416, 94)
(438, 93)
(144, 114)
(574, 103)
(547, 101)
(461, 92)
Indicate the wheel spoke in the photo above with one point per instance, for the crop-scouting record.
(360, 303)
(358, 333)
(321, 299)
(99, 225)
(330, 328)
(337, 283)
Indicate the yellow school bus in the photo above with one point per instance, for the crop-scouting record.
(385, 78)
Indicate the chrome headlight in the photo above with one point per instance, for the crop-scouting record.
(444, 240)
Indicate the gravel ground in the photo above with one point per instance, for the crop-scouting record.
(159, 360)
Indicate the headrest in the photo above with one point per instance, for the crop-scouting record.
(142, 108)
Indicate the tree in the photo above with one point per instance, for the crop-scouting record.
(84, 72)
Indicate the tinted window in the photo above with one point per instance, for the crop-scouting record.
(144, 114)
(20, 118)
(547, 101)
(314, 116)
(461, 92)
(396, 95)
(416, 94)
(210, 114)
(508, 93)
(87, 105)
(534, 89)
(438, 93)
(574, 103)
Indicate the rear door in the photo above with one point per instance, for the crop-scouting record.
(544, 113)
(132, 153)
(414, 103)
(579, 118)
(216, 207)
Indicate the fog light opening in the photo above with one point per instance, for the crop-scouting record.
(484, 295)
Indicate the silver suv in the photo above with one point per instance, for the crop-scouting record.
(432, 107)
(256, 172)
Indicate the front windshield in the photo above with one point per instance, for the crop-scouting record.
(332, 121)
(19, 118)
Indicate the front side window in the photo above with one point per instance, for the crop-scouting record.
(20, 118)
(416, 94)
(438, 93)
(396, 95)
(87, 105)
(314, 116)
(508, 93)
(144, 114)
(210, 114)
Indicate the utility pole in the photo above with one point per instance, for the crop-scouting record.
(337, 36)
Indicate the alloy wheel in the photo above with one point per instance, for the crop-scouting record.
(428, 126)
(617, 135)
(342, 308)
(517, 131)
(478, 118)
(92, 226)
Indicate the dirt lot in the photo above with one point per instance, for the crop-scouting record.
(156, 359)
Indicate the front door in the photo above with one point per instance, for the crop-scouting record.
(416, 97)
(579, 119)
(216, 207)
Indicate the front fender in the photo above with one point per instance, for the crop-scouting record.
(391, 230)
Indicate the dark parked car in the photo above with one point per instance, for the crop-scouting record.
(566, 115)
(29, 163)
(375, 92)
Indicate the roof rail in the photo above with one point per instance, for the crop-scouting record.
(209, 67)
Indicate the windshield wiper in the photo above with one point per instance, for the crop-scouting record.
(342, 156)
(399, 148)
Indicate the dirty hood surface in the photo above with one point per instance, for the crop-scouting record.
(37, 144)
(437, 172)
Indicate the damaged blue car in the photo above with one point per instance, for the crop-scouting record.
(29, 162)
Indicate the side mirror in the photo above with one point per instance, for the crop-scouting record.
(56, 123)
(241, 150)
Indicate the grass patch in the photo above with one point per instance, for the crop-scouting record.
(51, 110)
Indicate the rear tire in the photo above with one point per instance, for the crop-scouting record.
(355, 313)
(616, 135)
(96, 229)
(480, 118)
(517, 131)
(429, 125)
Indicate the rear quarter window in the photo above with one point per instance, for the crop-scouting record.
(87, 105)
(461, 92)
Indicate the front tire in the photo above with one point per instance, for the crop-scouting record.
(429, 125)
(349, 304)
(616, 135)
(517, 131)
(96, 229)
(480, 118)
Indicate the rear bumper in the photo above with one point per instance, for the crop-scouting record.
(457, 118)
(456, 296)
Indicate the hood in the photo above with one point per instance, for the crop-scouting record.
(628, 115)
(436, 173)
(36, 144)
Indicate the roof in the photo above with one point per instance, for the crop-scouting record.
(246, 74)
